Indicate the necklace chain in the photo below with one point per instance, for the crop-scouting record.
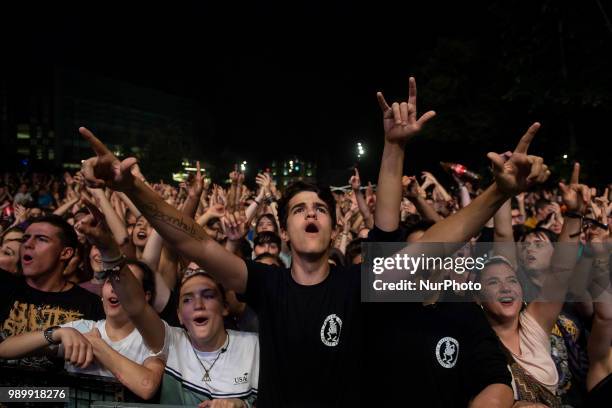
(206, 377)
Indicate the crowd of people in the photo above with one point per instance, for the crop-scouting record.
(221, 295)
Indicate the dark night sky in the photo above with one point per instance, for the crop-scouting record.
(302, 77)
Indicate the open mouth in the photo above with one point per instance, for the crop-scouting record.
(312, 228)
(200, 321)
(141, 235)
(26, 259)
(506, 300)
(113, 301)
(531, 258)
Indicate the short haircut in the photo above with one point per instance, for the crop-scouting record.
(552, 237)
(82, 210)
(67, 235)
(148, 277)
(297, 187)
(244, 247)
(542, 203)
(267, 237)
(16, 228)
(267, 255)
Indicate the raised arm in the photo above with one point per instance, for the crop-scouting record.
(126, 286)
(180, 232)
(599, 345)
(462, 192)
(151, 256)
(414, 195)
(438, 189)
(355, 182)
(129, 204)
(63, 209)
(194, 191)
(115, 224)
(263, 181)
(512, 176)
(503, 233)
(576, 198)
(400, 124)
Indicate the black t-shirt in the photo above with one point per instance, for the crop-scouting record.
(309, 337)
(440, 355)
(25, 309)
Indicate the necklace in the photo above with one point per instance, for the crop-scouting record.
(206, 377)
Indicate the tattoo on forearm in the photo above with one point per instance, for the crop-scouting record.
(177, 223)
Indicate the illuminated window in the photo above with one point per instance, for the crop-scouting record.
(23, 131)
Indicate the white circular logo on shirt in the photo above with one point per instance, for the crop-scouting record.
(447, 352)
(330, 331)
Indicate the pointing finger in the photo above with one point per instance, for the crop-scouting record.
(525, 141)
(95, 143)
(575, 174)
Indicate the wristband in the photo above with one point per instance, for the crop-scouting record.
(112, 272)
(111, 260)
(114, 263)
(48, 333)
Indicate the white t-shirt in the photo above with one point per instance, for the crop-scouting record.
(132, 347)
(235, 374)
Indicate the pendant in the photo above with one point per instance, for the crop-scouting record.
(206, 377)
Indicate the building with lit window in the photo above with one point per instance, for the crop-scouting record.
(40, 117)
(292, 168)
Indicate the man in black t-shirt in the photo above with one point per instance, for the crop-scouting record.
(309, 314)
(42, 297)
(443, 354)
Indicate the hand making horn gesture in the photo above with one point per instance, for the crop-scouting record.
(576, 196)
(400, 119)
